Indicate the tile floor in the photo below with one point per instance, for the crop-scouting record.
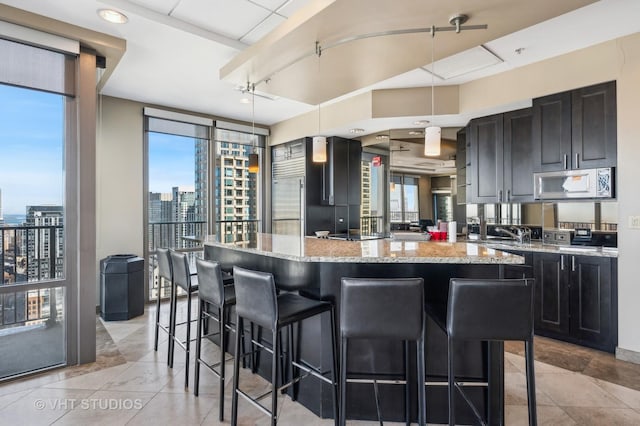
(130, 384)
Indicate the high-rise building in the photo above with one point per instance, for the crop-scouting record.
(201, 168)
(44, 242)
(160, 207)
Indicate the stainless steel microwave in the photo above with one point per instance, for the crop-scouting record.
(574, 184)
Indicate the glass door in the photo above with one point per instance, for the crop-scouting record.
(32, 231)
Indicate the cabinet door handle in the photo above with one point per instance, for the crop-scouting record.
(565, 159)
(500, 196)
(562, 262)
(508, 195)
(577, 160)
(573, 263)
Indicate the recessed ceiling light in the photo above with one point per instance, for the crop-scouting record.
(415, 132)
(245, 101)
(421, 122)
(113, 16)
(381, 137)
(357, 130)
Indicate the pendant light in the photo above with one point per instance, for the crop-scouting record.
(254, 161)
(432, 133)
(319, 145)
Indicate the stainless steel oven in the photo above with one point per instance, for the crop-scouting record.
(574, 184)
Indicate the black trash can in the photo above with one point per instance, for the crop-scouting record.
(121, 287)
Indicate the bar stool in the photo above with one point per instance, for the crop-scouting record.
(165, 274)
(258, 302)
(182, 279)
(213, 293)
(487, 310)
(390, 309)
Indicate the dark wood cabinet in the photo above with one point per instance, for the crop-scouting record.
(499, 158)
(575, 129)
(518, 154)
(340, 175)
(594, 128)
(551, 305)
(485, 165)
(552, 132)
(575, 299)
(461, 166)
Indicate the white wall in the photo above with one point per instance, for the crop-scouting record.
(119, 178)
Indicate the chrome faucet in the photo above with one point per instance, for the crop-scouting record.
(521, 234)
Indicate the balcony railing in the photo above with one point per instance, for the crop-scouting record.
(176, 235)
(409, 216)
(31, 253)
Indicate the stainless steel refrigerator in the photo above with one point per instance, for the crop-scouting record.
(288, 201)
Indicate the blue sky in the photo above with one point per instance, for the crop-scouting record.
(171, 162)
(31, 152)
(31, 161)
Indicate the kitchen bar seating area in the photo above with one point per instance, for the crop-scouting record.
(316, 212)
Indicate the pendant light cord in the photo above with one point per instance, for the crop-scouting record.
(433, 91)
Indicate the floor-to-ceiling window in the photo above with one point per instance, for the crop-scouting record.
(237, 187)
(177, 186)
(34, 286)
(404, 203)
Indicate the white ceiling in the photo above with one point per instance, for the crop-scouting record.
(175, 49)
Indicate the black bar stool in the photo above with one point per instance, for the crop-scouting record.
(488, 310)
(213, 293)
(165, 274)
(182, 279)
(258, 302)
(390, 309)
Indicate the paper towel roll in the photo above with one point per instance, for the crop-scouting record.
(452, 231)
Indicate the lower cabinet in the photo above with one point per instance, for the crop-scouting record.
(576, 299)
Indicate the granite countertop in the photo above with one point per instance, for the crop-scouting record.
(538, 246)
(312, 249)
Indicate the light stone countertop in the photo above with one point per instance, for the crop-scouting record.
(312, 249)
(539, 247)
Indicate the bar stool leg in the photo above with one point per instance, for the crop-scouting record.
(155, 340)
(196, 371)
(188, 342)
(236, 370)
(334, 369)
(343, 381)
(422, 399)
(223, 349)
(275, 362)
(172, 323)
(531, 383)
(452, 386)
(407, 400)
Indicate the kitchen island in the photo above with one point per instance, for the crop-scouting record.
(315, 266)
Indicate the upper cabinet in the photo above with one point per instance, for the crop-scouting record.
(576, 129)
(518, 154)
(485, 160)
(594, 132)
(461, 165)
(499, 158)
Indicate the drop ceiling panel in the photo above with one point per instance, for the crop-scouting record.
(161, 6)
(272, 5)
(233, 18)
(262, 29)
(291, 7)
(463, 63)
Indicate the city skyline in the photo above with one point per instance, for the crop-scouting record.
(31, 152)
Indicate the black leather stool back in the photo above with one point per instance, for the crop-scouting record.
(210, 284)
(164, 264)
(391, 309)
(490, 310)
(382, 308)
(181, 274)
(256, 297)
